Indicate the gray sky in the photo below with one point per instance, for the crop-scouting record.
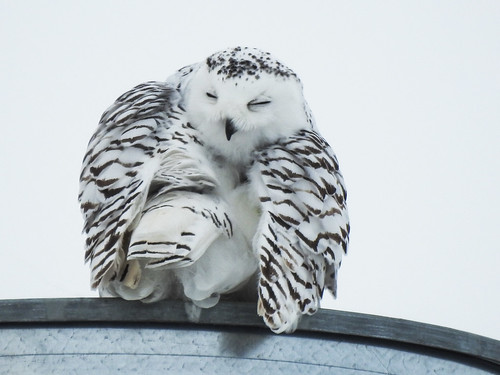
(407, 93)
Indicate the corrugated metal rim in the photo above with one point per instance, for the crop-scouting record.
(376, 329)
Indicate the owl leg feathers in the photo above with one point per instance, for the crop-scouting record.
(184, 246)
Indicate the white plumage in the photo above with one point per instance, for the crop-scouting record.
(215, 182)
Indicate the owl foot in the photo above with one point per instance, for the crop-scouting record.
(132, 274)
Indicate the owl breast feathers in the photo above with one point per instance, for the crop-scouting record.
(215, 182)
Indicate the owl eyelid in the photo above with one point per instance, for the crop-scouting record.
(212, 96)
(258, 102)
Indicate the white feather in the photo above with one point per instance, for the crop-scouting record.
(214, 180)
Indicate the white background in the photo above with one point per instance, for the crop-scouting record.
(406, 92)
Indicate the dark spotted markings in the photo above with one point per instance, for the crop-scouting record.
(239, 62)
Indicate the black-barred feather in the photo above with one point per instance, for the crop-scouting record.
(199, 186)
(138, 153)
(304, 229)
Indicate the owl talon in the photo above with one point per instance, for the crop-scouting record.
(133, 274)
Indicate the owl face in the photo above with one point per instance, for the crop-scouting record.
(244, 107)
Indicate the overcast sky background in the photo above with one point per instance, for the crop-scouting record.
(406, 92)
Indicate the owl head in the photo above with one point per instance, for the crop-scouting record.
(242, 97)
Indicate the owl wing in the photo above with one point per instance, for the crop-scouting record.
(141, 151)
(304, 227)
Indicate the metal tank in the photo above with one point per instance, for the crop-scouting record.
(111, 336)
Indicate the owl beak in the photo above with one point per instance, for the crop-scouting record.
(230, 129)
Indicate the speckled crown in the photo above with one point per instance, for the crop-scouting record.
(239, 62)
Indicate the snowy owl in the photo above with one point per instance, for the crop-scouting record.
(215, 183)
